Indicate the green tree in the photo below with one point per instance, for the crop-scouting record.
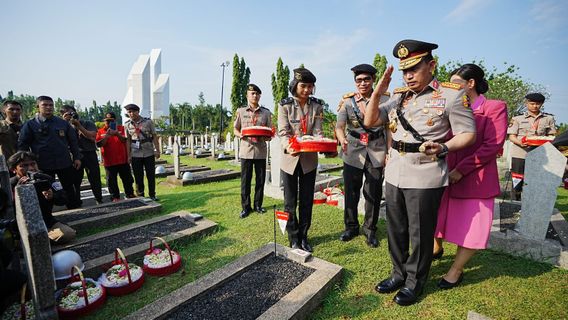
(380, 63)
(279, 83)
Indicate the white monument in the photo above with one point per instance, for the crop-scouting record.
(148, 88)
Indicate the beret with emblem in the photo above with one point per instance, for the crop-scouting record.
(364, 68)
(132, 106)
(535, 97)
(253, 87)
(411, 52)
(304, 75)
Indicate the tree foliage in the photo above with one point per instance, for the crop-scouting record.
(241, 77)
(380, 63)
(279, 83)
(200, 117)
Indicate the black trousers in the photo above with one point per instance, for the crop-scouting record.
(411, 219)
(518, 166)
(139, 165)
(298, 229)
(372, 192)
(125, 175)
(90, 164)
(247, 166)
(66, 177)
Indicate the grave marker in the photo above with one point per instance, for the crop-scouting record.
(176, 160)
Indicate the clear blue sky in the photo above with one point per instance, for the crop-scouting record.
(83, 50)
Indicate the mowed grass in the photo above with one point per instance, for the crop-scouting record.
(497, 285)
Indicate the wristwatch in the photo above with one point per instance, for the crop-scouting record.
(444, 151)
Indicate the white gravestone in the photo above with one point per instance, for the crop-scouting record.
(176, 159)
(201, 142)
(544, 168)
(228, 139)
(191, 144)
(275, 160)
(213, 146)
(236, 143)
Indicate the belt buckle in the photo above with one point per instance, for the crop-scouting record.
(401, 148)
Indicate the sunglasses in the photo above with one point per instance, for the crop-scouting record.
(361, 80)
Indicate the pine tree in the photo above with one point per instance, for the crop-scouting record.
(279, 85)
(380, 63)
(235, 87)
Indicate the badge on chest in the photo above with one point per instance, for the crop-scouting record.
(436, 103)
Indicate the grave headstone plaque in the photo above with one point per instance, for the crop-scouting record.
(5, 185)
(275, 159)
(191, 144)
(213, 146)
(544, 168)
(228, 141)
(176, 160)
(37, 251)
(170, 142)
(236, 143)
(201, 142)
(160, 144)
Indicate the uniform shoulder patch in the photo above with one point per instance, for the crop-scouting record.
(401, 90)
(451, 85)
(340, 105)
(348, 95)
(286, 100)
(549, 114)
(388, 94)
(316, 100)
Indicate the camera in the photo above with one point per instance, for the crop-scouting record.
(74, 115)
(39, 180)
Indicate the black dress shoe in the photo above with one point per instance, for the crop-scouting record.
(438, 255)
(372, 240)
(306, 246)
(389, 285)
(348, 235)
(294, 245)
(244, 213)
(445, 284)
(260, 210)
(405, 297)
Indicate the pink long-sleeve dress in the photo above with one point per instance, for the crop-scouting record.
(466, 211)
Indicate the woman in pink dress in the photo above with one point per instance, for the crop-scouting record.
(466, 212)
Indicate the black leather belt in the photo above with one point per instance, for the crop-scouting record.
(143, 140)
(372, 136)
(402, 146)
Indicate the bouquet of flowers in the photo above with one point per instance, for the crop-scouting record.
(20, 311)
(80, 297)
(123, 277)
(158, 262)
(319, 197)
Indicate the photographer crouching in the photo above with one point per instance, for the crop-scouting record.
(49, 192)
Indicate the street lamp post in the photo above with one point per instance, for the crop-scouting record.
(223, 65)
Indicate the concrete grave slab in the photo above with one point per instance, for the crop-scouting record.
(205, 177)
(107, 214)
(297, 304)
(170, 171)
(97, 261)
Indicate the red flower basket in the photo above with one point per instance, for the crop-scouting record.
(257, 131)
(536, 140)
(173, 266)
(88, 307)
(322, 145)
(21, 311)
(131, 286)
(319, 200)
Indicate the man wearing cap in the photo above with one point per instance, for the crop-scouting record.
(420, 117)
(252, 150)
(532, 123)
(363, 151)
(143, 149)
(86, 133)
(111, 138)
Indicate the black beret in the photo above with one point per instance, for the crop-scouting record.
(253, 87)
(304, 75)
(535, 97)
(410, 52)
(364, 68)
(132, 106)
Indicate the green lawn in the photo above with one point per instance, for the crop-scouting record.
(496, 284)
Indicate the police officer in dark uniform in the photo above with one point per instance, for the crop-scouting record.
(419, 116)
(253, 150)
(299, 115)
(363, 151)
(531, 123)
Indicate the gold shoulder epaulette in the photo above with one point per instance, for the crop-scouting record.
(451, 85)
(388, 94)
(400, 90)
(348, 95)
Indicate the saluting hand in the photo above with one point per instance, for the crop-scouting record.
(384, 82)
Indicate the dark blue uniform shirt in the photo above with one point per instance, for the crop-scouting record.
(52, 141)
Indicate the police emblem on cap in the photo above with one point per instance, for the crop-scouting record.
(402, 51)
(298, 76)
(251, 88)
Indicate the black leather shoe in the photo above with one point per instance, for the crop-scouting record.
(389, 285)
(244, 213)
(405, 297)
(294, 245)
(260, 210)
(348, 235)
(445, 284)
(306, 246)
(372, 240)
(438, 255)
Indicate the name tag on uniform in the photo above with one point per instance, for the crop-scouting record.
(436, 103)
(294, 121)
(61, 133)
(136, 145)
(364, 138)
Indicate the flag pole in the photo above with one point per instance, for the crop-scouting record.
(274, 218)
